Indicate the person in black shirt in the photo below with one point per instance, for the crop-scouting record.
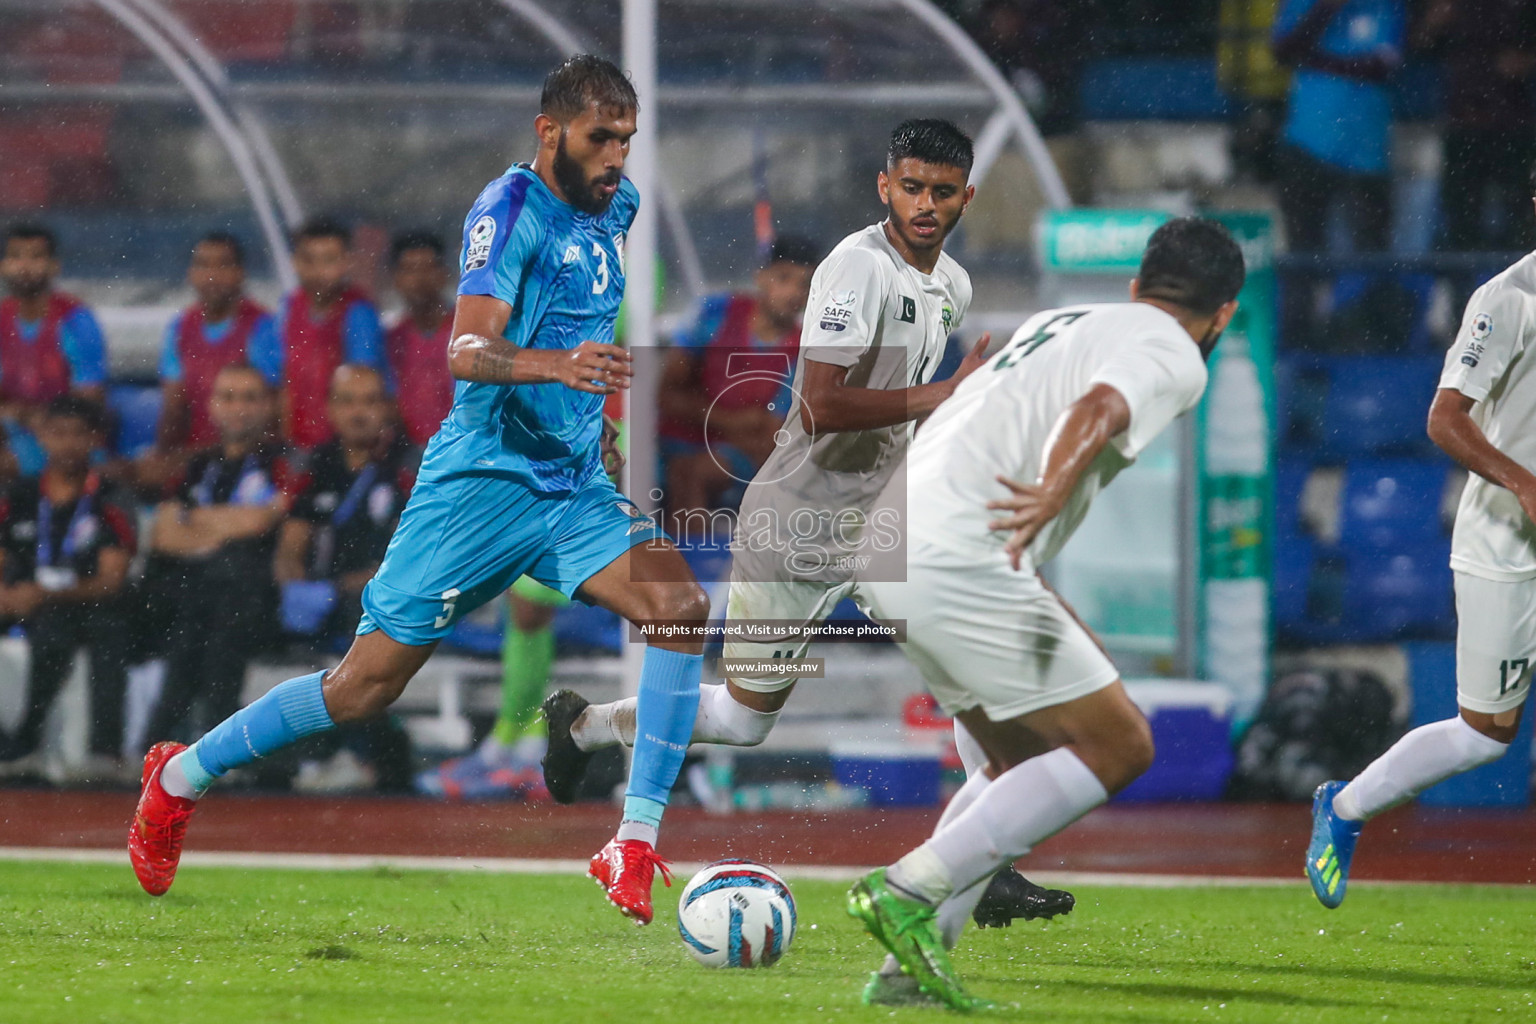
(350, 496)
(345, 508)
(66, 539)
(218, 531)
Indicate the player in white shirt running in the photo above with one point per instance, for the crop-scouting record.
(882, 306)
(1484, 417)
(1070, 401)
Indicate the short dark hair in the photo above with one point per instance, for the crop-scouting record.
(1192, 262)
(405, 241)
(32, 230)
(933, 141)
(794, 249)
(323, 227)
(583, 80)
(228, 241)
(77, 407)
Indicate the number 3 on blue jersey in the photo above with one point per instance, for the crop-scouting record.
(600, 285)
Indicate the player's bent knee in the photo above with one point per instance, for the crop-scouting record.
(1120, 759)
(682, 602)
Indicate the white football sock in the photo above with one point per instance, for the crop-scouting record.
(174, 780)
(1026, 804)
(720, 720)
(952, 911)
(643, 831)
(971, 754)
(723, 720)
(605, 725)
(1427, 755)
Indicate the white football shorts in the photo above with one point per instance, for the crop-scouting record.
(1495, 642)
(985, 635)
(794, 601)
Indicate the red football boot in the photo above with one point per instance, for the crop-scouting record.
(159, 824)
(625, 870)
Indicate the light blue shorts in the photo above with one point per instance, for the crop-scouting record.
(464, 540)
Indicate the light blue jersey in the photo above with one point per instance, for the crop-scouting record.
(562, 272)
(513, 484)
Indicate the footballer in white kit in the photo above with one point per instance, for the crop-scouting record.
(1484, 417)
(879, 324)
(997, 480)
(982, 626)
(881, 308)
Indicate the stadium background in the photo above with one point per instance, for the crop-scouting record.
(131, 127)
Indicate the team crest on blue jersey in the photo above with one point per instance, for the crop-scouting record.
(572, 254)
(478, 254)
(639, 520)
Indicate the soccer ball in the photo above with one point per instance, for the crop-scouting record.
(736, 913)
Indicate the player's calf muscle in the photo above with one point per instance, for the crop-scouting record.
(371, 677)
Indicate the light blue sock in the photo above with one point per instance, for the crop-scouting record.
(664, 716)
(285, 713)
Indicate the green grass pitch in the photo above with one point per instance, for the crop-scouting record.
(81, 944)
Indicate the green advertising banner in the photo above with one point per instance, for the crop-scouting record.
(1237, 481)
(1233, 472)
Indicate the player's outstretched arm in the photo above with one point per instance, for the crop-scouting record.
(830, 406)
(479, 353)
(1452, 427)
(1079, 435)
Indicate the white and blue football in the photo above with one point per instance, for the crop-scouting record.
(736, 913)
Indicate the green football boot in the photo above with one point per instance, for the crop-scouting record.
(895, 990)
(907, 928)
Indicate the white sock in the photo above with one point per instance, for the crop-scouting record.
(1427, 755)
(723, 720)
(720, 720)
(643, 831)
(174, 780)
(954, 910)
(971, 754)
(1026, 804)
(605, 725)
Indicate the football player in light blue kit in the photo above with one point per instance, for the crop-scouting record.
(512, 484)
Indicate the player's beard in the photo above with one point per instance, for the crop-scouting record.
(580, 192)
(1208, 342)
(916, 242)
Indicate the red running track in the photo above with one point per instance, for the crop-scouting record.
(1248, 840)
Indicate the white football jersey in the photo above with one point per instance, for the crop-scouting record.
(887, 322)
(999, 419)
(1493, 537)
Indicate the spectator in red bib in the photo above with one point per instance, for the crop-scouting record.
(323, 323)
(66, 538)
(50, 345)
(222, 327)
(417, 346)
(725, 389)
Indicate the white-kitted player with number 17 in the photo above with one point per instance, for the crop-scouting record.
(1484, 417)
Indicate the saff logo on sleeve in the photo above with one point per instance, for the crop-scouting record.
(1482, 326)
(478, 254)
(908, 312)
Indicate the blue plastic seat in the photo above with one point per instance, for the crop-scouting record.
(1377, 405)
(1389, 504)
(1403, 595)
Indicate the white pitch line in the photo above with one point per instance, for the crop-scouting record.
(532, 866)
